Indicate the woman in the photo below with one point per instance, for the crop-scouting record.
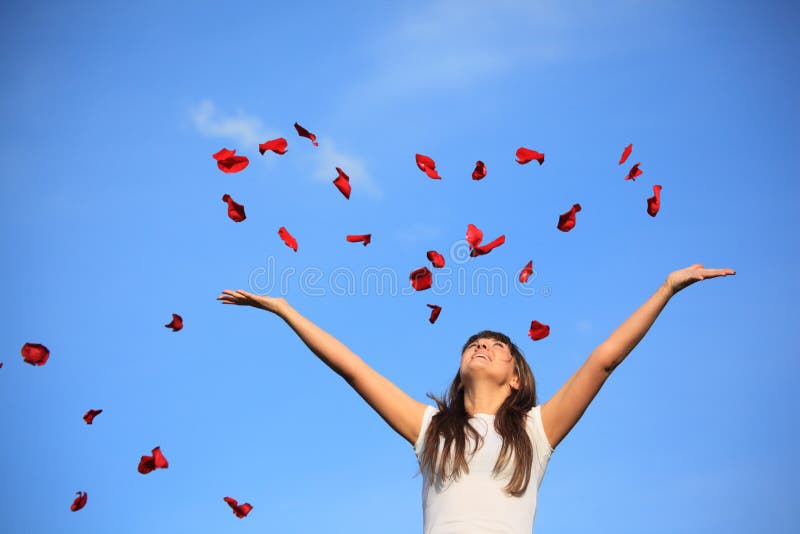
(487, 441)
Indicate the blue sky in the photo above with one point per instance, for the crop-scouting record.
(113, 221)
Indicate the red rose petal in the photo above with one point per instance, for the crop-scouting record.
(146, 465)
(480, 171)
(487, 248)
(150, 463)
(176, 324)
(625, 153)
(654, 202)
(229, 162)
(290, 241)
(239, 511)
(365, 238)
(234, 164)
(342, 182)
(90, 415)
(634, 172)
(159, 460)
(35, 354)
(526, 155)
(424, 161)
(526, 272)
(538, 331)
(421, 279)
(235, 211)
(566, 221)
(435, 311)
(436, 259)
(276, 145)
(302, 132)
(474, 235)
(428, 166)
(79, 502)
(224, 154)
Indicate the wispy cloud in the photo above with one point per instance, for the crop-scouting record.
(451, 43)
(248, 131)
(328, 158)
(243, 129)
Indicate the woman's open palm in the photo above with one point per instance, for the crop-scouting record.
(683, 278)
(243, 298)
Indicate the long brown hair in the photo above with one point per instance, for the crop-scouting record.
(450, 424)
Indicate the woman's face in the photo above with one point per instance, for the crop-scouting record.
(488, 358)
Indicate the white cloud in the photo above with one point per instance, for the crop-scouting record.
(328, 158)
(248, 131)
(245, 130)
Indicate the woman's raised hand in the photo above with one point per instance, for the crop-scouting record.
(243, 298)
(678, 280)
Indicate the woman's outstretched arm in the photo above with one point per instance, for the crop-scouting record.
(399, 410)
(565, 408)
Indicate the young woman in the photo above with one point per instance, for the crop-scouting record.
(484, 449)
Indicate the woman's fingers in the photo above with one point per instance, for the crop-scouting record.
(695, 273)
(713, 273)
(230, 297)
(240, 297)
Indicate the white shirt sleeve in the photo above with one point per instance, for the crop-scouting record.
(541, 445)
(430, 411)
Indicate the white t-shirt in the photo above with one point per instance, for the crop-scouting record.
(476, 502)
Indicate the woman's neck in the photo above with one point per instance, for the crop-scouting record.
(484, 399)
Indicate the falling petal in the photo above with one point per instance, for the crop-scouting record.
(487, 248)
(654, 202)
(235, 211)
(421, 279)
(526, 155)
(234, 164)
(566, 221)
(625, 153)
(474, 235)
(224, 154)
(35, 354)
(228, 161)
(538, 331)
(276, 145)
(176, 324)
(90, 415)
(480, 171)
(239, 510)
(428, 166)
(290, 241)
(435, 311)
(159, 460)
(526, 272)
(150, 463)
(302, 132)
(342, 182)
(79, 502)
(365, 238)
(436, 259)
(634, 172)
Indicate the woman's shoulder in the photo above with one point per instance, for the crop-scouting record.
(427, 416)
(536, 431)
